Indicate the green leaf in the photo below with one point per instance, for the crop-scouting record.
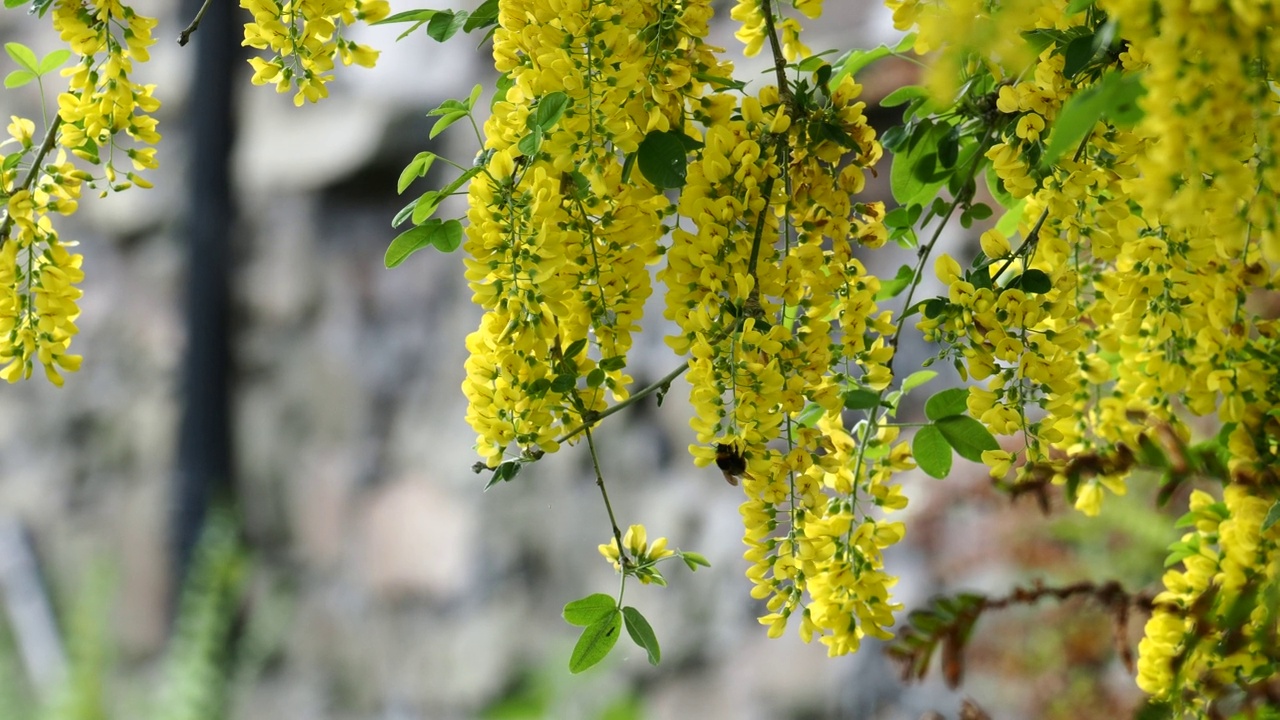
(949, 148)
(860, 399)
(505, 471)
(916, 379)
(904, 95)
(895, 285)
(894, 138)
(475, 91)
(449, 237)
(550, 108)
(931, 452)
(23, 56)
(1077, 55)
(409, 242)
(1076, 6)
(694, 560)
(808, 417)
(531, 143)
(18, 78)
(979, 211)
(53, 60)
(912, 176)
(452, 187)
(590, 609)
(663, 160)
(13, 3)
(952, 401)
(482, 17)
(445, 24)
(445, 236)
(426, 206)
(416, 16)
(640, 631)
(416, 168)
(597, 640)
(1273, 516)
(1115, 95)
(405, 213)
(855, 60)
(448, 107)
(613, 363)
(1008, 223)
(445, 122)
(967, 436)
(1032, 281)
(720, 83)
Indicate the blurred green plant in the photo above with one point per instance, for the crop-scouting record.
(207, 649)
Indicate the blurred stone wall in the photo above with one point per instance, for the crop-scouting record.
(399, 589)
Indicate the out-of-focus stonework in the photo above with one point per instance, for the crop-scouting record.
(402, 591)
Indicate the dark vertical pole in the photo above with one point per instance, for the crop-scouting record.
(204, 446)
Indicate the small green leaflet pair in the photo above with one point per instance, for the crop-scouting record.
(31, 67)
(444, 24)
(949, 429)
(443, 235)
(601, 620)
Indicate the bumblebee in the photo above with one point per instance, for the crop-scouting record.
(730, 462)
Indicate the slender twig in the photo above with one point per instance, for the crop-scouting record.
(756, 240)
(185, 36)
(617, 533)
(779, 60)
(640, 394)
(33, 172)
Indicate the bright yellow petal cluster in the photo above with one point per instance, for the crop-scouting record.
(304, 38)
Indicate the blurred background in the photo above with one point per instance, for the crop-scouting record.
(248, 360)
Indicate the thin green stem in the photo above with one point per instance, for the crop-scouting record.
(779, 60)
(184, 37)
(756, 240)
(590, 420)
(617, 534)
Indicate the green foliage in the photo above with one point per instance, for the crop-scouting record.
(931, 451)
(199, 660)
(596, 641)
(642, 633)
(87, 629)
(855, 60)
(1114, 98)
(31, 67)
(950, 430)
(663, 159)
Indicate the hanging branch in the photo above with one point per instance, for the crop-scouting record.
(949, 622)
(185, 36)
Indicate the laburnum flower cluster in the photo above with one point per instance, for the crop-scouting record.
(102, 101)
(775, 313)
(1147, 239)
(304, 38)
(560, 239)
(39, 272)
